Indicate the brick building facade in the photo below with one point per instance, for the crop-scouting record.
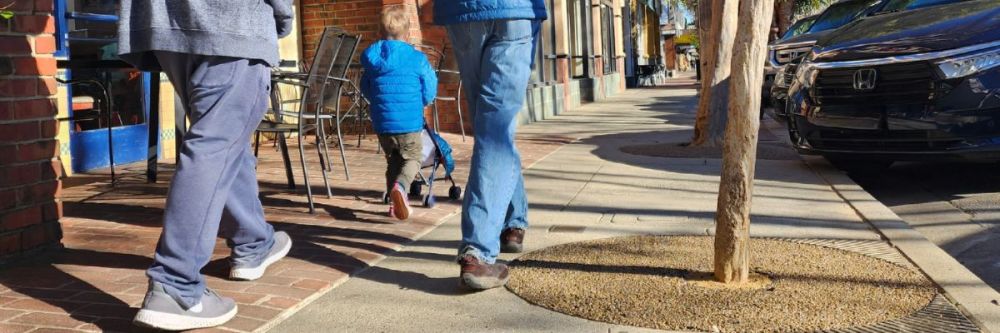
(580, 58)
(29, 174)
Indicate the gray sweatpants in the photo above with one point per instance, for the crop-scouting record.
(215, 182)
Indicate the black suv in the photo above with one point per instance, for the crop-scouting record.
(770, 71)
(785, 53)
(903, 85)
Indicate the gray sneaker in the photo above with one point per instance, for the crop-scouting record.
(160, 311)
(245, 272)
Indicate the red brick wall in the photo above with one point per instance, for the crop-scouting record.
(356, 16)
(29, 175)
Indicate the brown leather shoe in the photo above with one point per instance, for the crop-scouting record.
(512, 240)
(478, 275)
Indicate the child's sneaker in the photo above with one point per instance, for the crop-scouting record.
(400, 205)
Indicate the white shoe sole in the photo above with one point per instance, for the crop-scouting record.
(249, 274)
(176, 322)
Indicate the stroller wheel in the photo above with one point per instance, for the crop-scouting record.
(416, 187)
(455, 192)
(429, 201)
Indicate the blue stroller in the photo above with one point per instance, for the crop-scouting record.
(436, 153)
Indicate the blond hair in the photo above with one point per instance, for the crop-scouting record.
(395, 22)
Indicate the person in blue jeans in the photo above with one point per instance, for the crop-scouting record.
(398, 82)
(217, 55)
(494, 43)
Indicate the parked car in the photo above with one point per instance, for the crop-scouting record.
(920, 84)
(789, 51)
(797, 28)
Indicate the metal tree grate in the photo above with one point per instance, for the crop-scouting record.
(871, 248)
(940, 316)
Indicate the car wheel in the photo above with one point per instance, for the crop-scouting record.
(859, 166)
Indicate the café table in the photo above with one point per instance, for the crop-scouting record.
(153, 121)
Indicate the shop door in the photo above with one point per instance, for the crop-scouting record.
(87, 38)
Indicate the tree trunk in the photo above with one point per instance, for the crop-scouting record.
(739, 151)
(783, 12)
(710, 122)
(706, 46)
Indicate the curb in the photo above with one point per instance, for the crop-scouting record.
(968, 292)
(971, 295)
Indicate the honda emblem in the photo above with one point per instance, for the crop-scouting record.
(864, 79)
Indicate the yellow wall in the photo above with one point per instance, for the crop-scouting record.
(167, 133)
(62, 102)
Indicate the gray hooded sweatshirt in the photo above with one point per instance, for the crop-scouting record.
(246, 29)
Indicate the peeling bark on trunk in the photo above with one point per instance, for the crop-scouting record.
(732, 219)
(710, 122)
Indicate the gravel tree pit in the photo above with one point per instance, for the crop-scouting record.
(657, 282)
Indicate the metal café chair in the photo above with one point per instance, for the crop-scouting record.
(359, 106)
(320, 91)
(103, 103)
(436, 58)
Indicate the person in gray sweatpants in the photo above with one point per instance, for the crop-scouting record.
(217, 55)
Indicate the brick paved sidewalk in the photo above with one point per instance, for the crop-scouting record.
(98, 281)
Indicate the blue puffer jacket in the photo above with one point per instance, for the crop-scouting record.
(398, 81)
(460, 11)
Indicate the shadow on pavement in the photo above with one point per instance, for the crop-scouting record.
(60, 289)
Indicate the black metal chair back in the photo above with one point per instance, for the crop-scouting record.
(338, 77)
(320, 69)
(435, 57)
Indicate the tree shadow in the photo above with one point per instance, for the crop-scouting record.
(335, 248)
(686, 274)
(63, 291)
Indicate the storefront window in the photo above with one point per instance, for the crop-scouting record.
(87, 34)
(92, 34)
(608, 38)
(545, 58)
(549, 37)
(537, 70)
(580, 30)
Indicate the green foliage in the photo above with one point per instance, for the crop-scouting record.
(692, 5)
(6, 14)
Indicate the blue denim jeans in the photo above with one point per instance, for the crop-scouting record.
(215, 182)
(495, 59)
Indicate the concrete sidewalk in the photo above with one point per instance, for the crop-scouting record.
(591, 189)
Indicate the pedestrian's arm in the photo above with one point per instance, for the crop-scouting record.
(428, 82)
(284, 16)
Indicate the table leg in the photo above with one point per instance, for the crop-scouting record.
(288, 161)
(153, 149)
(180, 126)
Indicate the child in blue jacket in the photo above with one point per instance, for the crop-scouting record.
(398, 81)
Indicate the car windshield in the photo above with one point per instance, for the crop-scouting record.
(799, 27)
(901, 5)
(839, 14)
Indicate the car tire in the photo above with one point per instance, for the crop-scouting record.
(859, 166)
